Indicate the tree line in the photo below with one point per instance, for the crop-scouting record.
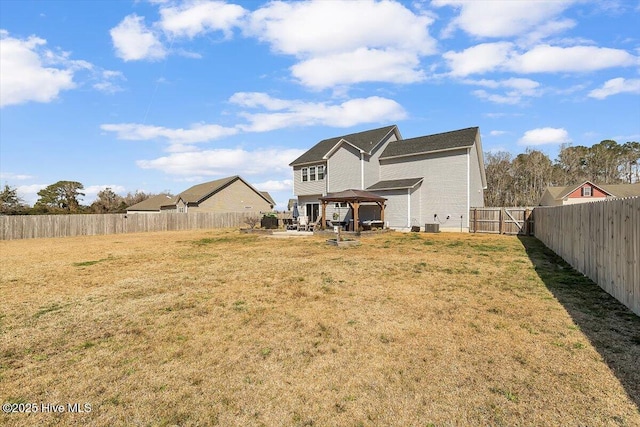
(521, 180)
(63, 198)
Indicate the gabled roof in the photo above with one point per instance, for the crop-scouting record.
(561, 192)
(152, 203)
(395, 184)
(198, 193)
(452, 140)
(364, 141)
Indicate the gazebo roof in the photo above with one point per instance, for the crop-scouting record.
(353, 196)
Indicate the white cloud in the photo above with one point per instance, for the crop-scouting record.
(283, 114)
(29, 193)
(498, 132)
(361, 65)
(196, 17)
(108, 81)
(8, 176)
(545, 135)
(324, 27)
(134, 41)
(196, 133)
(504, 56)
(505, 18)
(271, 185)
(616, 86)
(261, 100)
(346, 42)
(479, 59)
(224, 162)
(279, 114)
(32, 73)
(516, 89)
(91, 192)
(552, 59)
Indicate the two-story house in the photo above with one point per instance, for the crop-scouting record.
(428, 179)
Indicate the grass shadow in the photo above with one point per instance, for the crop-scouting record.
(612, 328)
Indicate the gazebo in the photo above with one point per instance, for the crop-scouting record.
(354, 198)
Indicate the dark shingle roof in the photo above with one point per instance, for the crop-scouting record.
(365, 141)
(353, 195)
(395, 184)
(424, 144)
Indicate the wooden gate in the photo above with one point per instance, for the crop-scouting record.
(502, 220)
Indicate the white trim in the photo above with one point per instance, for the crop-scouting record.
(468, 185)
(408, 207)
(335, 148)
(362, 170)
(425, 152)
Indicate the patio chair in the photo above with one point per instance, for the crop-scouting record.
(313, 226)
(303, 223)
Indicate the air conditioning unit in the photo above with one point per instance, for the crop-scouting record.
(432, 228)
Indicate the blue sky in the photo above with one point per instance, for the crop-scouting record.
(161, 95)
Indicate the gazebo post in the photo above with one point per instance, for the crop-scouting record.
(382, 206)
(324, 215)
(356, 221)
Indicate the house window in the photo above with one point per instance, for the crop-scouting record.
(586, 191)
(341, 205)
(313, 173)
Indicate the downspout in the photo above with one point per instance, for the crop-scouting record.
(362, 170)
(468, 185)
(409, 207)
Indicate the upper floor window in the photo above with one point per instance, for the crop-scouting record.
(313, 173)
(586, 191)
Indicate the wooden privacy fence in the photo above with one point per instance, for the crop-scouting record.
(501, 220)
(601, 240)
(38, 226)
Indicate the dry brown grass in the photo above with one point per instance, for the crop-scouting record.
(215, 327)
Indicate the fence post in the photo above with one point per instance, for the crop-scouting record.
(500, 219)
(526, 221)
(475, 220)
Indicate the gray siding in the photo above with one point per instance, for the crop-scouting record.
(344, 169)
(395, 214)
(444, 189)
(372, 162)
(309, 187)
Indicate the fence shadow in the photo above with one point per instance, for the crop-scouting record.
(612, 328)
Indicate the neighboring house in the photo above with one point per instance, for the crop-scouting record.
(586, 192)
(151, 205)
(434, 178)
(232, 194)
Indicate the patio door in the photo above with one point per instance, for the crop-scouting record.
(313, 211)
